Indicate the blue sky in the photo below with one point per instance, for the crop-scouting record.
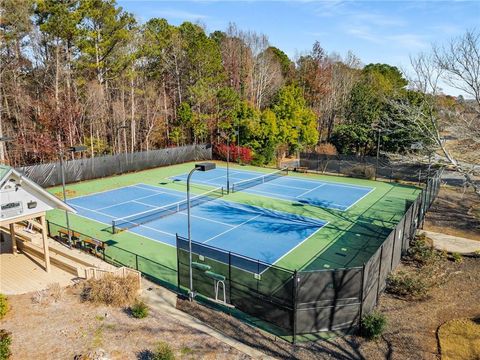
(376, 31)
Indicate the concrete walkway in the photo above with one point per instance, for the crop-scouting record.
(164, 300)
(452, 243)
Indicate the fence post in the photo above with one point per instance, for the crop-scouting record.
(362, 290)
(136, 262)
(48, 229)
(393, 248)
(404, 233)
(230, 276)
(178, 264)
(294, 298)
(379, 274)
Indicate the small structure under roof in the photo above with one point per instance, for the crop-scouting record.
(22, 200)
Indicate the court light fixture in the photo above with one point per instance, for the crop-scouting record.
(205, 166)
(74, 150)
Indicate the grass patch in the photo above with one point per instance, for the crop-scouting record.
(422, 253)
(4, 307)
(5, 342)
(459, 339)
(163, 351)
(373, 325)
(407, 285)
(139, 310)
(111, 290)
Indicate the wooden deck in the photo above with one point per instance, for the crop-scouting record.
(23, 273)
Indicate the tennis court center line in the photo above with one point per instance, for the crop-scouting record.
(309, 191)
(124, 202)
(101, 213)
(331, 183)
(233, 228)
(287, 198)
(204, 218)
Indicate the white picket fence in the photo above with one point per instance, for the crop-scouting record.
(95, 273)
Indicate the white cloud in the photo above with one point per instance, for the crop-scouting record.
(364, 32)
(410, 41)
(179, 14)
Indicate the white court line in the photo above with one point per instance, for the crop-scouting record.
(289, 198)
(133, 200)
(100, 213)
(359, 199)
(160, 231)
(328, 182)
(136, 234)
(142, 203)
(237, 226)
(306, 192)
(95, 211)
(195, 216)
(101, 192)
(300, 243)
(207, 219)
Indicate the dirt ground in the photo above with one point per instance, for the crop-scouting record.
(455, 212)
(411, 331)
(63, 329)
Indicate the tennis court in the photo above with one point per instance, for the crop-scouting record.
(276, 185)
(160, 213)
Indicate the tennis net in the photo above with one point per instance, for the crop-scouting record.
(245, 184)
(131, 221)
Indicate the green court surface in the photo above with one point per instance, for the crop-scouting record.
(348, 240)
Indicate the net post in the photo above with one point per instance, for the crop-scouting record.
(48, 229)
(113, 227)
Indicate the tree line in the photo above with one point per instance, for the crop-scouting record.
(86, 72)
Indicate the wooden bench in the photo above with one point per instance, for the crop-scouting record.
(93, 246)
(74, 236)
(301, 169)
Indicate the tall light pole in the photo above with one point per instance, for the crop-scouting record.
(378, 152)
(227, 137)
(237, 133)
(72, 149)
(206, 166)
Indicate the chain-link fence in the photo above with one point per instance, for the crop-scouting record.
(285, 302)
(363, 167)
(292, 303)
(92, 168)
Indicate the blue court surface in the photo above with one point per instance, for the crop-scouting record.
(318, 193)
(250, 231)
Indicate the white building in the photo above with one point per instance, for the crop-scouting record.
(22, 201)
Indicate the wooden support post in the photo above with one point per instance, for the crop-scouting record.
(13, 238)
(45, 243)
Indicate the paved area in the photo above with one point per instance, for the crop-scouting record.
(453, 243)
(164, 300)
